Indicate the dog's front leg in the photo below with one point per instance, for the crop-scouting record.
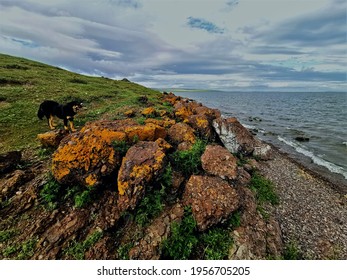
(72, 127)
(65, 124)
(51, 122)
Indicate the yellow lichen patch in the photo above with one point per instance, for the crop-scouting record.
(183, 113)
(165, 146)
(122, 186)
(202, 122)
(148, 132)
(148, 111)
(163, 123)
(141, 171)
(91, 180)
(109, 136)
(129, 113)
(60, 173)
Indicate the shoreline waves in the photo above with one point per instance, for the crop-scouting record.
(325, 150)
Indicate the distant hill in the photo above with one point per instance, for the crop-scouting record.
(24, 84)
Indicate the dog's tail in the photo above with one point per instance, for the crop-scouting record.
(40, 113)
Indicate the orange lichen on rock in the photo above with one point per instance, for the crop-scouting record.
(91, 180)
(88, 156)
(182, 111)
(130, 113)
(150, 111)
(142, 163)
(51, 138)
(147, 132)
(181, 132)
(167, 122)
(80, 154)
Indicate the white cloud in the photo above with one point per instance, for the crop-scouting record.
(260, 43)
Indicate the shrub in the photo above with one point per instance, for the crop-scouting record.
(182, 240)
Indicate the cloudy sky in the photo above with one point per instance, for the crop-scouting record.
(205, 44)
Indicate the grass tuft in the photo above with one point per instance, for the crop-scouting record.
(189, 162)
(264, 189)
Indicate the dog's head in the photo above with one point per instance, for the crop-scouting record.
(76, 106)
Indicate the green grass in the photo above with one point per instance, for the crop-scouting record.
(183, 239)
(76, 250)
(264, 189)
(189, 161)
(7, 234)
(292, 252)
(123, 251)
(24, 84)
(150, 206)
(50, 193)
(53, 193)
(216, 243)
(22, 251)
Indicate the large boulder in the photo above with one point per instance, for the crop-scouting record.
(211, 198)
(89, 156)
(218, 161)
(237, 139)
(211, 114)
(141, 165)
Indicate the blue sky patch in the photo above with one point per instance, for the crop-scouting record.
(204, 25)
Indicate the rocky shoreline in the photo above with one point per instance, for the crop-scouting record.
(162, 162)
(312, 210)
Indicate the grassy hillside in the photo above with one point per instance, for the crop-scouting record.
(24, 84)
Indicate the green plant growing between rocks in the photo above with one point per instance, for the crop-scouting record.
(121, 147)
(150, 206)
(264, 189)
(54, 193)
(76, 250)
(23, 251)
(50, 193)
(216, 243)
(292, 252)
(182, 241)
(84, 198)
(189, 161)
(123, 251)
(7, 234)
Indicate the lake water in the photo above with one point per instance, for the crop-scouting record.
(280, 117)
